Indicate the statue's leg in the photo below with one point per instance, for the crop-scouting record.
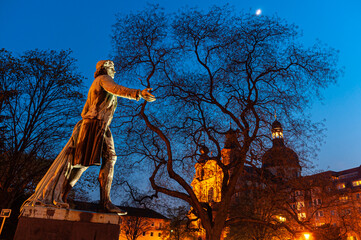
(74, 176)
(106, 173)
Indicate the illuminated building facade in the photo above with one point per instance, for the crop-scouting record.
(324, 203)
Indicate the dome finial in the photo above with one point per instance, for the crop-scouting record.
(204, 154)
(275, 114)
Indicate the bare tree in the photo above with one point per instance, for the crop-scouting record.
(209, 69)
(133, 227)
(179, 227)
(39, 117)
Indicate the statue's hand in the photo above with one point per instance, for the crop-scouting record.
(147, 95)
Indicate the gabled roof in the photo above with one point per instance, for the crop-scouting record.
(142, 212)
(131, 211)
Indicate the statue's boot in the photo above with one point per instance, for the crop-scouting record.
(61, 204)
(105, 180)
(44, 203)
(111, 208)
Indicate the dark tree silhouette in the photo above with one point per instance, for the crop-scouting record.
(179, 227)
(209, 69)
(39, 115)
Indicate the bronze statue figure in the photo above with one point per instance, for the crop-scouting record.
(91, 141)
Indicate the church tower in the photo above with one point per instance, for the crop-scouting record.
(280, 160)
(207, 181)
(208, 178)
(229, 152)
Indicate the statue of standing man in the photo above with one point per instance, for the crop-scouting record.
(91, 141)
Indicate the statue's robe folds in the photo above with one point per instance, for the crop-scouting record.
(85, 145)
(49, 190)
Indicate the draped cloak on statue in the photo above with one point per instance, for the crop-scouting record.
(49, 190)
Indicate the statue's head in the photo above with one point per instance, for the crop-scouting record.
(105, 67)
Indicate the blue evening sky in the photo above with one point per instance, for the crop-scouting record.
(85, 27)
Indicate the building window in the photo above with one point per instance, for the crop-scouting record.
(298, 193)
(281, 219)
(358, 195)
(301, 216)
(152, 224)
(300, 205)
(317, 201)
(160, 225)
(341, 186)
(143, 233)
(356, 183)
(151, 234)
(319, 214)
(236, 195)
(159, 234)
(210, 195)
(344, 198)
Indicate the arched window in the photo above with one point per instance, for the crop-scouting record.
(210, 195)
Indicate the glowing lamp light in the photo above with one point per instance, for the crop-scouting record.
(281, 219)
(258, 12)
(307, 236)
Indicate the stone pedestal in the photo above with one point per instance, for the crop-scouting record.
(39, 223)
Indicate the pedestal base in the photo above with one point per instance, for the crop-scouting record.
(38, 223)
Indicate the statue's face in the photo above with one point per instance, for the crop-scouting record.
(109, 66)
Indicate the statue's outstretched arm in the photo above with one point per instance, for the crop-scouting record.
(110, 86)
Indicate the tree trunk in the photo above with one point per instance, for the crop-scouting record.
(215, 233)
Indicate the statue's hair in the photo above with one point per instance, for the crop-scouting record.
(101, 70)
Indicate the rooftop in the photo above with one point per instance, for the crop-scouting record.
(131, 211)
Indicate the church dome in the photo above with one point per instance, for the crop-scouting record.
(279, 155)
(276, 125)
